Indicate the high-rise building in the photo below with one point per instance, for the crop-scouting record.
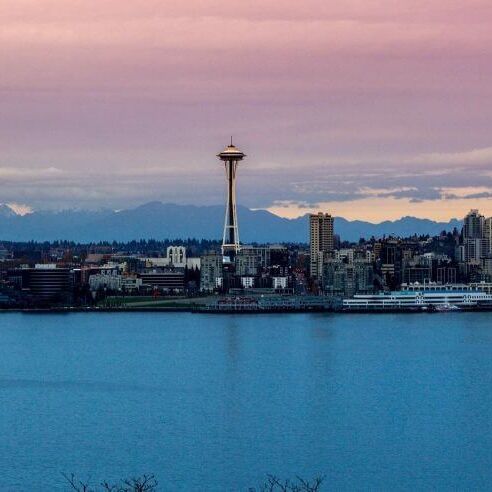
(473, 237)
(486, 264)
(474, 250)
(320, 239)
(487, 235)
(231, 156)
(473, 225)
(211, 272)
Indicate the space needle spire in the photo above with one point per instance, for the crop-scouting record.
(231, 156)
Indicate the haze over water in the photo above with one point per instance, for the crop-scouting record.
(210, 402)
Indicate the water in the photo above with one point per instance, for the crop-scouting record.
(214, 402)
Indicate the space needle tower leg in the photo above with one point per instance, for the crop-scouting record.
(230, 239)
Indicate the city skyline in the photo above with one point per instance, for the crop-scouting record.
(246, 245)
(366, 110)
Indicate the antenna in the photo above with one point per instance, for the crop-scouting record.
(231, 140)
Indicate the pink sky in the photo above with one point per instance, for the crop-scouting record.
(367, 109)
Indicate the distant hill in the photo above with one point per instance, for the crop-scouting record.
(158, 220)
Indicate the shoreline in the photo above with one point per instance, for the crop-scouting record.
(195, 310)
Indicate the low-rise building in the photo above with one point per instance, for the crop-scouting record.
(45, 282)
(167, 281)
(114, 282)
(280, 283)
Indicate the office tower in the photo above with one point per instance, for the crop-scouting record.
(321, 240)
(473, 237)
(473, 225)
(231, 156)
(487, 235)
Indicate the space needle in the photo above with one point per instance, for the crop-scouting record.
(231, 156)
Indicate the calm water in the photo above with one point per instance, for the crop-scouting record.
(211, 402)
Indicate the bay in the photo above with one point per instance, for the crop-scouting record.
(215, 402)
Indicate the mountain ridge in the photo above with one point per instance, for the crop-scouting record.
(158, 220)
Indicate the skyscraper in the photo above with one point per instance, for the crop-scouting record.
(473, 237)
(321, 240)
(473, 225)
(231, 156)
(487, 234)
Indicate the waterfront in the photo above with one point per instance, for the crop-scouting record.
(211, 402)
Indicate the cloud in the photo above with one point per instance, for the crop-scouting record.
(294, 204)
(12, 173)
(474, 156)
(257, 187)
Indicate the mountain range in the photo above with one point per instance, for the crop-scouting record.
(157, 220)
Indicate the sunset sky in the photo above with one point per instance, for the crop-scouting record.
(370, 109)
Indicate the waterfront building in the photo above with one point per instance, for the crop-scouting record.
(434, 286)
(482, 286)
(247, 282)
(246, 303)
(346, 279)
(486, 267)
(168, 281)
(114, 281)
(259, 262)
(280, 283)
(415, 271)
(320, 241)
(334, 278)
(44, 282)
(414, 299)
(211, 272)
(364, 277)
(388, 271)
(446, 275)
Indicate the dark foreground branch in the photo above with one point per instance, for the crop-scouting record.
(148, 483)
(275, 484)
(144, 483)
